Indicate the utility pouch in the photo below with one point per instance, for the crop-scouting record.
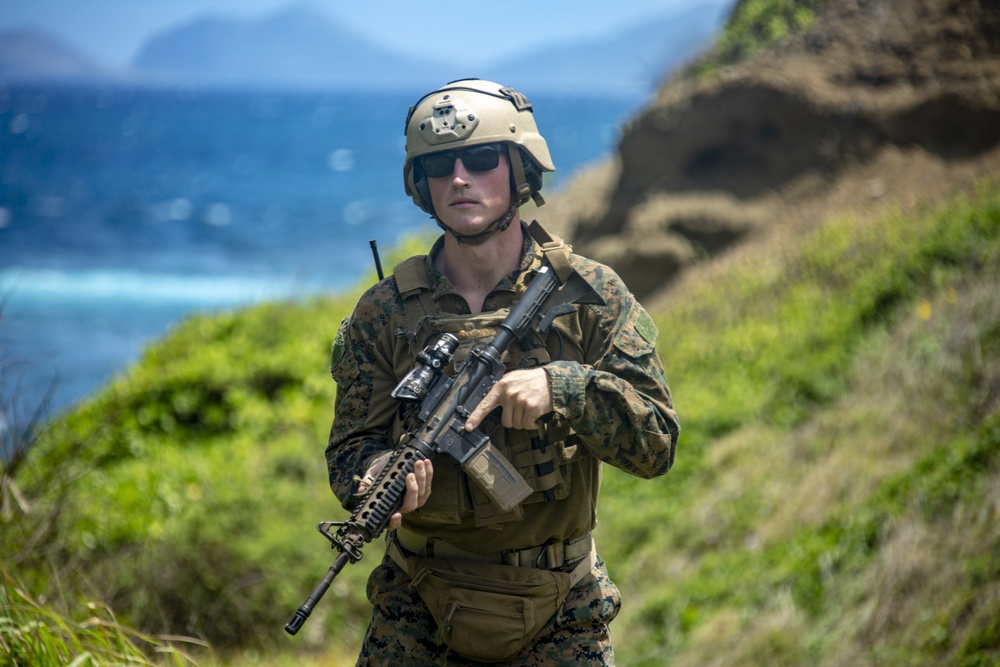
(484, 611)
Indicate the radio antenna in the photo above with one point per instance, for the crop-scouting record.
(378, 262)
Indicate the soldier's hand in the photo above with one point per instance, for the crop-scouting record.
(523, 396)
(418, 488)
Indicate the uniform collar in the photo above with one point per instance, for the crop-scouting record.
(511, 283)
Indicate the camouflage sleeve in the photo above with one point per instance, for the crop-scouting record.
(620, 405)
(361, 423)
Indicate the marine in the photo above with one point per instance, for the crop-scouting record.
(463, 582)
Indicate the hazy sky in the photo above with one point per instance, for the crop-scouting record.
(111, 31)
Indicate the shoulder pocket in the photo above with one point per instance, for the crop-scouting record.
(637, 337)
(343, 367)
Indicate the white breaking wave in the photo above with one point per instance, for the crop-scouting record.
(140, 286)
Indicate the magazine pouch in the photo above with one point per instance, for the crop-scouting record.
(485, 611)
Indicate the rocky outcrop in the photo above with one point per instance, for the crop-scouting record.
(858, 107)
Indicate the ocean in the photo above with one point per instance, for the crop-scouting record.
(123, 210)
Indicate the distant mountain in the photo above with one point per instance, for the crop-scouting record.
(299, 47)
(296, 47)
(634, 59)
(27, 54)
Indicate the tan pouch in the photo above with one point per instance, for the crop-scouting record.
(484, 611)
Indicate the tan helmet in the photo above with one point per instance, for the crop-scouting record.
(469, 112)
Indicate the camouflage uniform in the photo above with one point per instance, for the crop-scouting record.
(611, 403)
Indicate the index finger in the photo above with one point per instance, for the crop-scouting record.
(490, 401)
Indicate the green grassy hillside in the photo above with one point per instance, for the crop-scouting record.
(834, 500)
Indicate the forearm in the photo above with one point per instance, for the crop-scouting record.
(346, 462)
(625, 418)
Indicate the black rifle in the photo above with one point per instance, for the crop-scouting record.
(444, 406)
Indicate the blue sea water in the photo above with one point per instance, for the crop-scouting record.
(123, 210)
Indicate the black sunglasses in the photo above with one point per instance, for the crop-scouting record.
(475, 159)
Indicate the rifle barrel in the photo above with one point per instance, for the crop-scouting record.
(296, 622)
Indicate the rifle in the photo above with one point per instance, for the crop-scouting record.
(445, 404)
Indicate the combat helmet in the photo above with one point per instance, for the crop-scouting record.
(470, 112)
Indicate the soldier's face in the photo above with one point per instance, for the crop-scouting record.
(469, 201)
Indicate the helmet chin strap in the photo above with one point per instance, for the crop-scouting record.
(498, 225)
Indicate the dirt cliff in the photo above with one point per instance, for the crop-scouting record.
(878, 104)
